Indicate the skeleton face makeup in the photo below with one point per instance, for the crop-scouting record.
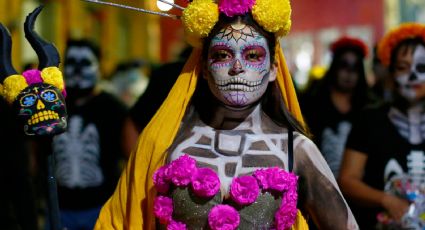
(410, 73)
(347, 73)
(81, 68)
(239, 68)
(41, 108)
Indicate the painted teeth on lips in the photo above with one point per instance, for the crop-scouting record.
(238, 81)
(43, 116)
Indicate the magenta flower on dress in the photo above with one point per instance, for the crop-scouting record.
(244, 190)
(235, 7)
(161, 180)
(175, 225)
(205, 182)
(180, 170)
(285, 217)
(275, 179)
(163, 209)
(223, 217)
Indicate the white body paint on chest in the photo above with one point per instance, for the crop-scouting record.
(243, 149)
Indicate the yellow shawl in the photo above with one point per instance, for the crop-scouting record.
(131, 205)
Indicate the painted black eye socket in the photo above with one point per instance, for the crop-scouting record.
(49, 95)
(420, 68)
(28, 100)
(85, 62)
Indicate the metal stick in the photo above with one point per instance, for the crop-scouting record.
(134, 8)
(172, 4)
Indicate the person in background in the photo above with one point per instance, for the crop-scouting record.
(161, 80)
(387, 142)
(87, 155)
(382, 87)
(128, 81)
(329, 107)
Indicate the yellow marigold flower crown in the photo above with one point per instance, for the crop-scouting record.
(200, 16)
(14, 84)
(390, 41)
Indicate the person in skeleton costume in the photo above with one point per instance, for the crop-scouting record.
(226, 149)
(87, 155)
(329, 108)
(388, 140)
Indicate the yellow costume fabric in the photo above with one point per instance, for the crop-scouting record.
(131, 205)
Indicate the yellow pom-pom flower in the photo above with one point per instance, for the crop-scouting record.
(273, 15)
(12, 86)
(199, 18)
(53, 76)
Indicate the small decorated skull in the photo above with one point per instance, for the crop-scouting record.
(41, 109)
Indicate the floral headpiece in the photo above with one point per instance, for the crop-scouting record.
(200, 16)
(12, 83)
(346, 42)
(397, 35)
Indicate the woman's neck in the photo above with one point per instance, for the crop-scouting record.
(220, 116)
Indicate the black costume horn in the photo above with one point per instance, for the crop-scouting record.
(47, 53)
(6, 67)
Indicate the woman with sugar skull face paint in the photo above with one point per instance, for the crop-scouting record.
(227, 149)
(386, 147)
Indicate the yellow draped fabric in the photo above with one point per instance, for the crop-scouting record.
(131, 205)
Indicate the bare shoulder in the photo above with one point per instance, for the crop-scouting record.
(307, 157)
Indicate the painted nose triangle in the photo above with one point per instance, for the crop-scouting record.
(40, 105)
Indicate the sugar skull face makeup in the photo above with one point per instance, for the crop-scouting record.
(239, 68)
(410, 73)
(41, 108)
(81, 68)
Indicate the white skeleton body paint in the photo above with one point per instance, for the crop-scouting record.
(236, 152)
(77, 156)
(412, 126)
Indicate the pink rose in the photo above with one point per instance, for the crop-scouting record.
(244, 190)
(223, 217)
(163, 209)
(160, 180)
(175, 225)
(235, 7)
(205, 182)
(180, 171)
(285, 217)
(275, 179)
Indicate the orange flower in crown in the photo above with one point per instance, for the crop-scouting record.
(349, 42)
(391, 40)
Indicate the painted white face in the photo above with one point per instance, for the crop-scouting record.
(410, 73)
(81, 68)
(239, 68)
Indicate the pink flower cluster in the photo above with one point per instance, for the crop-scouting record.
(182, 172)
(244, 190)
(223, 217)
(235, 7)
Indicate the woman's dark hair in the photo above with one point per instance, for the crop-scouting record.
(84, 43)
(272, 102)
(403, 46)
